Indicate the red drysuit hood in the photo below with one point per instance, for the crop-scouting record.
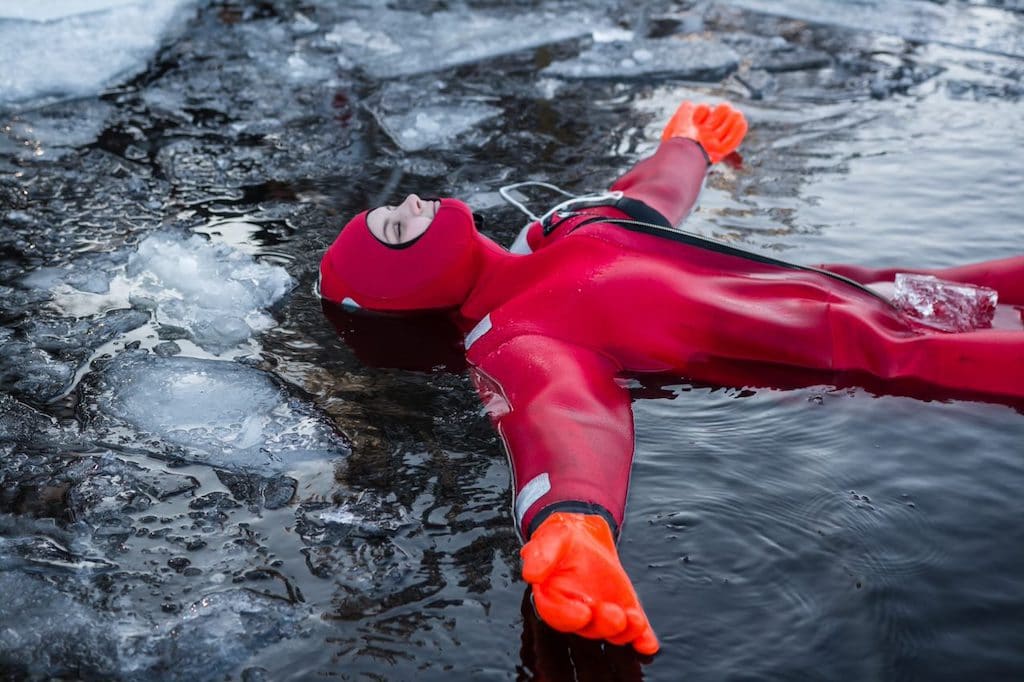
(435, 271)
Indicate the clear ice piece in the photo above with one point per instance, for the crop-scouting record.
(418, 117)
(697, 60)
(428, 42)
(213, 412)
(77, 49)
(949, 306)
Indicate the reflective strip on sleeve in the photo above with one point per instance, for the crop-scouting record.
(481, 328)
(531, 492)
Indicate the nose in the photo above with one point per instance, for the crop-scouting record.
(413, 204)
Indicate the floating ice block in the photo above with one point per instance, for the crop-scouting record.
(949, 306)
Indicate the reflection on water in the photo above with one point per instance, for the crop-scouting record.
(183, 499)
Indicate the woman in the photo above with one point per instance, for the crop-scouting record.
(608, 288)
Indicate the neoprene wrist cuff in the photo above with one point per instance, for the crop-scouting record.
(575, 507)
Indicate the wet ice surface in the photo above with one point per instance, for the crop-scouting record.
(181, 288)
(199, 480)
(206, 640)
(219, 295)
(418, 116)
(79, 51)
(971, 25)
(219, 413)
(695, 60)
(388, 44)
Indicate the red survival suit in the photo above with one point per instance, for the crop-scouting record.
(552, 331)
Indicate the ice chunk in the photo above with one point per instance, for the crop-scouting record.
(29, 371)
(217, 294)
(690, 59)
(16, 303)
(214, 291)
(214, 634)
(42, 360)
(80, 54)
(215, 412)
(76, 339)
(108, 487)
(101, 490)
(91, 281)
(47, 634)
(418, 119)
(270, 492)
(958, 24)
(34, 552)
(354, 544)
(20, 423)
(449, 38)
(55, 9)
(52, 132)
(366, 516)
(949, 306)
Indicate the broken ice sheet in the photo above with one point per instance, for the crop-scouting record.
(32, 553)
(54, 131)
(213, 635)
(686, 59)
(988, 29)
(418, 118)
(949, 306)
(446, 39)
(83, 48)
(49, 633)
(41, 362)
(219, 294)
(215, 412)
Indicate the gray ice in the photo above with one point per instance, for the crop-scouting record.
(437, 41)
(75, 49)
(988, 29)
(683, 58)
(215, 412)
(418, 116)
(48, 633)
(217, 293)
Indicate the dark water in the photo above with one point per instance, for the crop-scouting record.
(821, 533)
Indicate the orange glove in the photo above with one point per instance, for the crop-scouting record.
(718, 129)
(579, 586)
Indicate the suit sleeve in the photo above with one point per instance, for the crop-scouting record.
(670, 180)
(663, 188)
(566, 424)
(1005, 275)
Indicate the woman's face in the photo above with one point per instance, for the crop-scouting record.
(399, 224)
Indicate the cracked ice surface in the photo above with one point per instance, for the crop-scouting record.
(217, 293)
(417, 120)
(214, 412)
(981, 28)
(429, 43)
(207, 639)
(692, 59)
(75, 49)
